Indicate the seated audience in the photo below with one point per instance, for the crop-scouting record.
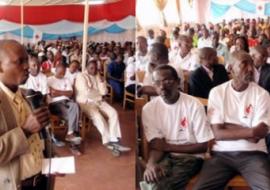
(177, 130)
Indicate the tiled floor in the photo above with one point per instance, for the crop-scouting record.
(97, 168)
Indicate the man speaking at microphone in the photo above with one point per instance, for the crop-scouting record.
(21, 149)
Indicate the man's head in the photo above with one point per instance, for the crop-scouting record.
(34, 64)
(74, 66)
(207, 57)
(13, 64)
(185, 44)
(259, 56)
(141, 44)
(158, 55)
(151, 34)
(166, 83)
(241, 67)
(50, 55)
(215, 39)
(91, 67)
(60, 70)
(241, 43)
(205, 32)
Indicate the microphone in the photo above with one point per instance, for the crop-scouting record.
(36, 100)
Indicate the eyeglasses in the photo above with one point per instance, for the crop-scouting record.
(164, 82)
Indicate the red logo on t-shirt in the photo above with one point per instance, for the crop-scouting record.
(184, 122)
(248, 111)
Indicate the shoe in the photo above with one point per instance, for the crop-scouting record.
(120, 147)
(109, 146)
(75, 151)
(73, 139)
(57, 142)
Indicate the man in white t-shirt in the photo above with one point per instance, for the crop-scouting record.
(141, 56)
(239, 114)
(185, 59)
(130, 76)
(205, 40)
(61, 103)
(36, 81)
(177, 130)
(72, 71)
(158, 56)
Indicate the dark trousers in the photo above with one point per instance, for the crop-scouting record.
(179, 170)
(41, 185)
(131, 88)
(254, 166)
(69, 111)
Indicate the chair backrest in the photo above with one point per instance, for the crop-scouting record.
(186, 78)
(204, 101)
(143, 144)
(140, 76)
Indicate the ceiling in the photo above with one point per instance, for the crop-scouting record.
(52, 2)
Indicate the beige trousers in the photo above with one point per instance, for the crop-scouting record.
(105, 118)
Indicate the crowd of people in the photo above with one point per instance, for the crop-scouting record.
(227, 64)
(56, 72)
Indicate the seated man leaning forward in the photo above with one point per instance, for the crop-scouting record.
(90, 88)
(239, 115)
(177, 130)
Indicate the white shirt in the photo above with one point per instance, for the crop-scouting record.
(189, 62)
(71, 76)
(37, 83)
(150, 42)
(202, 42)
(141, 62)
(183, 122)
(59, 84)
(130, 71)
(247, 108)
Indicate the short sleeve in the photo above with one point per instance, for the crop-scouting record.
(262, 110)
(215, 107)
(201, 127)
(150, 126)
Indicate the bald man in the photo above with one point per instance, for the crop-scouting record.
(21, 149)
(141, 56)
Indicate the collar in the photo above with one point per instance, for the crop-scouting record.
(11, 95)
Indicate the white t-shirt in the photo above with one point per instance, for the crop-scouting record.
(202, 42)
(247, 108)
(37, 83)
(189, 62)
(141, 62)
(130, 71)
(71, 76)
(59, 84)
(183, 122)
